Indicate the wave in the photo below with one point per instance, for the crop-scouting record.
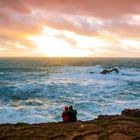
(39, 96)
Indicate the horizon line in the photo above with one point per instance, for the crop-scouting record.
(63, 57)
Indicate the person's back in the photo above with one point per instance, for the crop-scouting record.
(73, 114)
(65, 115)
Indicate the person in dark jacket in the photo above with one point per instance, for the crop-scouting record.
(72, 114)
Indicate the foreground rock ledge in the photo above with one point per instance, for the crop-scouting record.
(106, 127)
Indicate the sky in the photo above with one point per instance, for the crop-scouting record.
(69, 28)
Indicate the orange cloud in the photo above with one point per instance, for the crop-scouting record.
(96, 8)
(107, 20)
(14, 5)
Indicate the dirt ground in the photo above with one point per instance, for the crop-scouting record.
(105, 128)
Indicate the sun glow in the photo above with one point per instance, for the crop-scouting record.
(54, 47)
(62, 43)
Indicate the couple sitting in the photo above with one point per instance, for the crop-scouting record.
(69, 114)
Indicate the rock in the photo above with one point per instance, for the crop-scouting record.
(131, 112)
(91, 72)
(107, 116)
(106, 127)
(106, 71)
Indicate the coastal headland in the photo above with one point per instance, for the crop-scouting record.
(106, 127)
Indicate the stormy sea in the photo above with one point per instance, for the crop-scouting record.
(35, 90)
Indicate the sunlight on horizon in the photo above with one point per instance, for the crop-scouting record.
(62, 43)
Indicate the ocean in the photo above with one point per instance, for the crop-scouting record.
(35, 90)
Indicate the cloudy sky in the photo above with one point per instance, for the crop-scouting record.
(87, 28)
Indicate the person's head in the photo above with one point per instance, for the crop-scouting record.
(71, 108)
(66, 108)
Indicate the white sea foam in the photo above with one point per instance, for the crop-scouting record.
(40, 96)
